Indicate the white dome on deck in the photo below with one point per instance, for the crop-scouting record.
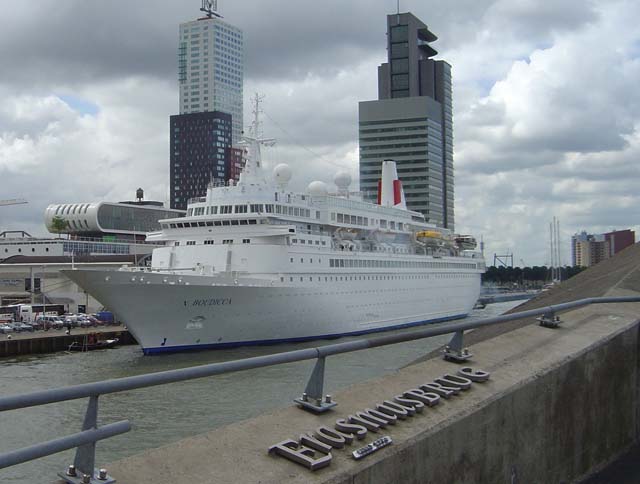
(342, 180)
(282, 174)
(318, 188)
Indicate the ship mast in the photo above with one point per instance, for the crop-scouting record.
(252, 172)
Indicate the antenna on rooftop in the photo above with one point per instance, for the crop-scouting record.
(210, 7)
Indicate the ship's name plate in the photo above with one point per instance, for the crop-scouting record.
(220, 301)
(313, 449)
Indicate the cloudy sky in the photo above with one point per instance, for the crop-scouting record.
(546, 103)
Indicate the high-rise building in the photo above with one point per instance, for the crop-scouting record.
(200, 145)
(411, 122)
(211, 67)
(589, 249)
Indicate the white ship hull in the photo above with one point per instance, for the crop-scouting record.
(168, 312)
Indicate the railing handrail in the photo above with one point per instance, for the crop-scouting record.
(74, 392)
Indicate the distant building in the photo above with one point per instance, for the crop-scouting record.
(411, 122)
(199, 147)
(211, 68)
(108, 221)
(589, 249)
(236, 163)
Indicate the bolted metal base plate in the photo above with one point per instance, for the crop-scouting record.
(549, 322)
(314, 406)
(78, 479)
(457, 357)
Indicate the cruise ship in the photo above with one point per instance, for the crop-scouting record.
(256, 263)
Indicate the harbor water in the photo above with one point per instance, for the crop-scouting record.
(167, 413)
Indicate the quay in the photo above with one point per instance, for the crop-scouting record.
(560, 405)
(57, 340)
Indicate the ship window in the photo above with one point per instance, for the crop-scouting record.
(268, 208)
(246, 241)
(359, 220)
(277, 208)
(291, 260)
(383, 224)
(235, 222)
(191, 242)
(341, 262)
(226, 222)
(241, 208)
(317, 215)
(333, 216)
(331, 262)
(296, 211)
(324, 243)
(290, 210)
(209, 223)
(179, 225)
(189, 212)
(226, 208)
(282, 279)
(354, 219)
(340, 218)
(302, 241)
(291, 279)
(295, 241)
(399, 225)
(217, 223)
(214, 210)
(227, 241)
(392, 225)
(317, 242)
(201, 224)
(301, 259)
(208, 242)
(244, 222)
(194, 224)
(252, 222)
(307, 212)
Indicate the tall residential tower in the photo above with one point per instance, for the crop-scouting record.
(211, 67)
(411, 122)
(210, 73)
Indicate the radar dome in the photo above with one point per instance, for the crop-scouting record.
(317, 188)
(282, 174)
(342, 180)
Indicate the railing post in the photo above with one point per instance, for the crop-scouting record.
(455, 350)
(83, 469)
(549, 320)
(313, 399)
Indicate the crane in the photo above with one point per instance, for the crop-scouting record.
(13, 201)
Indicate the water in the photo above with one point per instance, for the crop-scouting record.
(167, 413)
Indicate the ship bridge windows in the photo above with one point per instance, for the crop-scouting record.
(191, 242)
(208, 242)
(198, 211)
(257, 208)
(241, 209)
(226, 209)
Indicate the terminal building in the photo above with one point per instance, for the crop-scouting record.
(88, 235)
(411, 122)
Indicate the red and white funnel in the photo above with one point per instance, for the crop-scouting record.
(390, 192)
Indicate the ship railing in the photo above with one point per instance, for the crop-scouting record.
(313, 398)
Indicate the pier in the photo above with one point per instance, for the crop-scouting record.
(38, 342)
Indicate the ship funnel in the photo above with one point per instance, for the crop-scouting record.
(390, 192)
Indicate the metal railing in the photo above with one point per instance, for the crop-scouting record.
(313, 398)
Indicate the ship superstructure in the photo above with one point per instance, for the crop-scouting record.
(258, 263)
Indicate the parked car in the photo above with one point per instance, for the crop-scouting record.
(20, 327)
(6, 328)
(50, 322)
